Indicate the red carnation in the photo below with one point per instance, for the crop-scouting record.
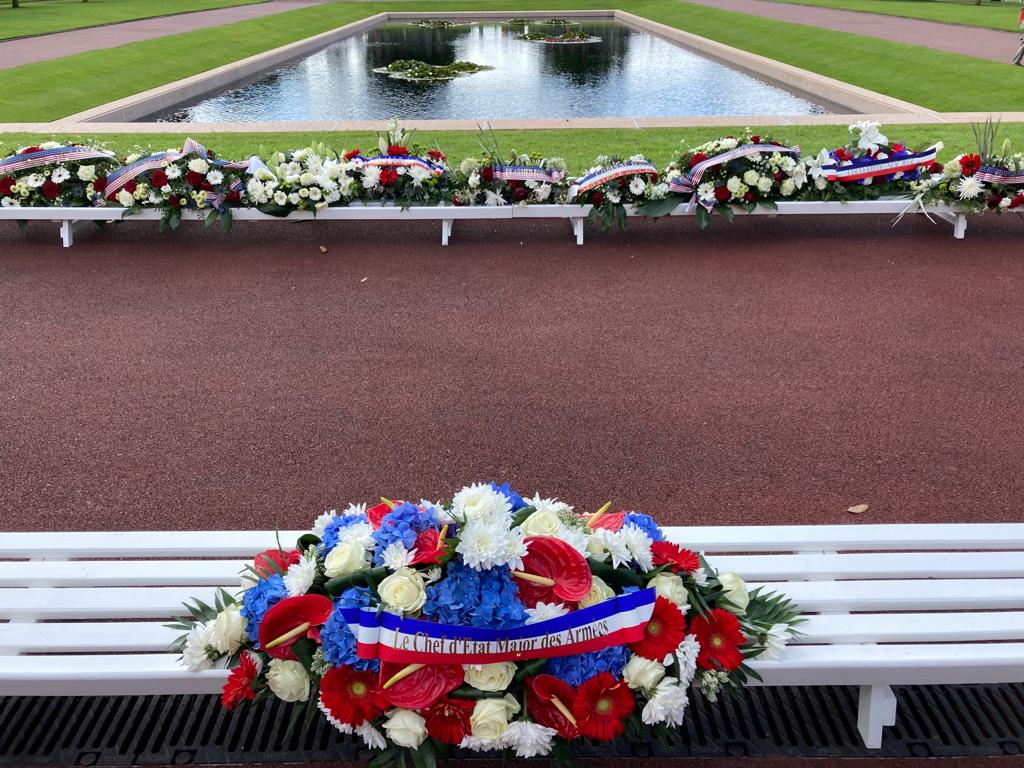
(238, 688)
(487, 173)
(675, 557)
(397, 149)
(698, 157)
(100, 184)
(970, 164)
(448, 719)
(549, 701)
(273, 561)
(351, 697)
(601, 705)
(131, 186)
(354, 153)
(175, 201)
(6, 185)
(194, 179)
(663, 632)
(749, 196)
(1018, 200)
(50, 190)
(388, 176)
(722, 194)
(596, 199)
(755, 139)
(234, 196)
(720, 637)
(436, 155)
(935, 168)
(158, 178)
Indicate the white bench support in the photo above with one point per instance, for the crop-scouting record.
(959, 221)
(875, 709)
(446, 230)
(577, 229)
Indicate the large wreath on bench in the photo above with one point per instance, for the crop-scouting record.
(488, 622)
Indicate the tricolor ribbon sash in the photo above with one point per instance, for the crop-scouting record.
(401, 161)
(866, 169)
(687, 185)
(16, 163)
(526, 173)
(993, 175)
(594, 180)
(388, 637)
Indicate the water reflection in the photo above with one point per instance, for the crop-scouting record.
(627, 73)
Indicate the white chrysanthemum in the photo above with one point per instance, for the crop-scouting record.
(199, 648)
(396, 556)
(431, 576)
(481, 502)
(528, 739)
(300, 575)
(357, 533)
(603, 543)
(486, 543)
(667, 705)
(545, 611)
(548, 505)
(373, 738)
(686, 654)
(473, 744)
(968, 188)
(775, 643)
(493, 198)
(342, 727)
(638, 543)
(321, 523)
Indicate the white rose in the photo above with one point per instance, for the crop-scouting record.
(952, 169)
(198, 165)
(229, 629)
(469, 166)
(405, 728)
(764, 183)
(126, 198)
(788, 187)
(280, 198)
(403, 590)
(671, 587)
(750, 178)
(346, 557)
(735, 592)
(642, 673)
(288, 680)
(733, 184)
(87, 172)
(490, 677)
(599, 592)
(541, 523)
(490, 717)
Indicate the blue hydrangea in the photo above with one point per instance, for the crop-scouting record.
(339, 644)
(646, 524)
(513, 498)
(576, 670)
(330, 537)
(258, 599)
(472, 598)
(403, 523)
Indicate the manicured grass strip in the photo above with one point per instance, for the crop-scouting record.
(578, 147)
(990, 15)
(37, 17)
(942, 81)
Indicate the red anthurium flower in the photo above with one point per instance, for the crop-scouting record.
(423, 687)
(557, 561)
(720, 637)
(677, 558)
(601, 705)
(542, 692)
(970, 164)
(663, 633)
(265, 561)
(611, 521)
(377, 513)
(293, 618)
(351, 697)
(238, 688)
(429, 548)
(448, 719)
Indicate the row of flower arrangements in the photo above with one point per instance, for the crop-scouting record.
(720, 176)
(489, 622)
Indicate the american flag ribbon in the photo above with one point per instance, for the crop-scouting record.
(526, 173)
(866, 169)
(27, 160)
(687, 185)
(594, 180)
(400, 161)
(992, 175)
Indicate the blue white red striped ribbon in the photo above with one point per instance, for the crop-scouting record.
(526, 173)
(617, 621)
(400, 161)
(865, 169)
(22, 162)
(687, 185)
(594, 180)
(992, 175)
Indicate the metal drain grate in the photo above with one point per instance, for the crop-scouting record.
(961, 720)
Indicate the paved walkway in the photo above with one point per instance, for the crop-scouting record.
(971, 41)
(27, 50)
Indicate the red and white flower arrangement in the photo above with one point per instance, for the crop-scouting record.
(54, 174)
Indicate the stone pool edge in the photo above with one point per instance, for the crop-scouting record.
(834, 93)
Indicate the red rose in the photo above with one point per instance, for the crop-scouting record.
(354, 153)
(6, 185)
(436, 155)
(993, 200)
(749, 196)
(722, 194)
(158, 178)
(30, 150)
(206, 186)
(388, 176)
(174, 200)
(194, 179)
(520, 194)
(397, 149)
(514, 184)
(596, 199)
(779, 175)
(130, 187)
(755, 139)
(1018, 200)
(50, 190)
(100, 185)
(487, 173)
(935, 168)
(234, 196)
(698, 157)
(970, 164)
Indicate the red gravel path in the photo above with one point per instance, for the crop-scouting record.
(772, 371)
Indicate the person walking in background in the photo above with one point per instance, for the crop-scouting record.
(1020, 24)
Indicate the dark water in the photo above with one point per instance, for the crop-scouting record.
(627, 74)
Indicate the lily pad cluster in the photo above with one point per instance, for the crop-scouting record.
(439, 23)
(565, 37)
(421, 71)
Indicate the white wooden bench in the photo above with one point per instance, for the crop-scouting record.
(887, 605)
(447, 215)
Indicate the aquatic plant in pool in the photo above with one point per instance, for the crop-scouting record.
(439, 23)
(420, 71)
(565, 37)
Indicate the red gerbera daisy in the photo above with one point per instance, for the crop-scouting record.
(238, 688)
(601, 705)
(448, 719)
(350, 696)
(720, 637)
(663, 633)
(969, 164)
(675, 557)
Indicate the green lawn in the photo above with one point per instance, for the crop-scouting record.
(52, 89)
(578, 147)
(992, 15)
(36, 17)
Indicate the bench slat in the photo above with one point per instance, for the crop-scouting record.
(120, 573)
(124, 675)
(911, 627)
(103, 602)
(902, 595)
(81, 637)
(88, 544)
(879, 565)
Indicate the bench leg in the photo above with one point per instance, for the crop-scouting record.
(960, 226)
(577, 230)
(446, 230)
(877, 708)
(67, 233)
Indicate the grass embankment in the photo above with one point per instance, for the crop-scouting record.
(578, 147)
(990, 15)
(37, 17)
